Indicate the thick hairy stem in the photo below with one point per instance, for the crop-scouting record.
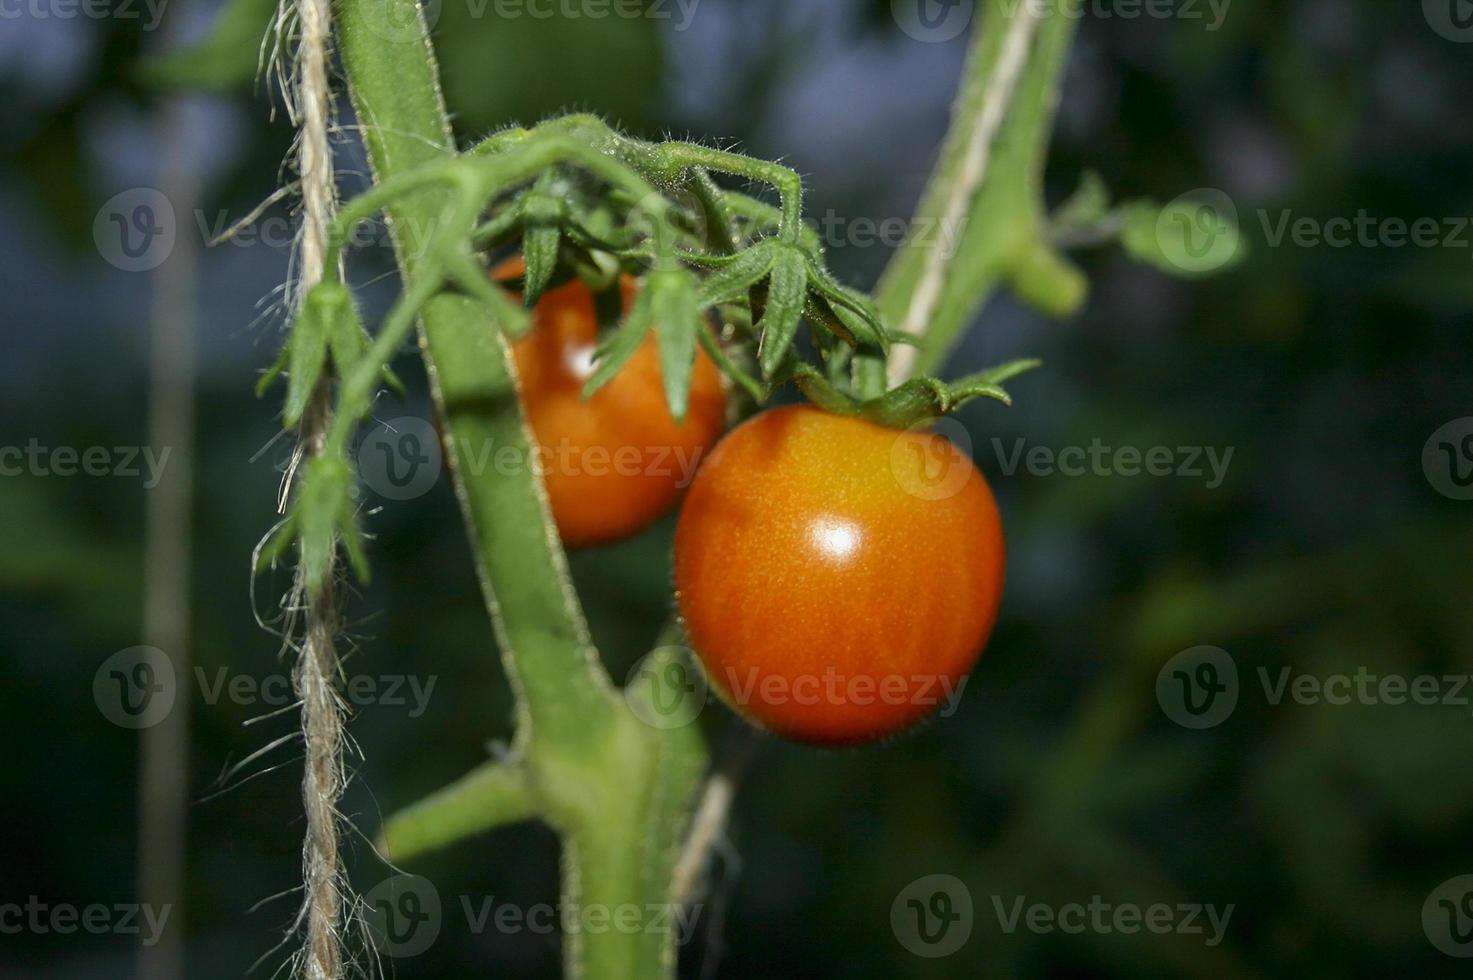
(617, 791)
(984, 129)
(316, 670)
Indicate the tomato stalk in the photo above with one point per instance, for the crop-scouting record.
(617, 791)
(999, 222)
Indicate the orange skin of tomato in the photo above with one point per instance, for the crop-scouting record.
(615, 463)
(828, 603)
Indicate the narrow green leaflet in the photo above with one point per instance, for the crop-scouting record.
(731, 280)
(998, 374)
(348, 342)
(677, 321)
(857, 314)
(821, 313)
(615, 350)
(729, 367)
(786, 289)
(321, 514)
(543, 215)
(315, 323)
(508, 316)
(324, 510)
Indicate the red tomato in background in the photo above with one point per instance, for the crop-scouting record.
(617, 462)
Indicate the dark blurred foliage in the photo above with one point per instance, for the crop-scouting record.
(1325, 549)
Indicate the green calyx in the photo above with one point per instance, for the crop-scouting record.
(916, 402)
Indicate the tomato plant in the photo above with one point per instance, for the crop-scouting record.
(834, 594)
(834, 588)
(616, 461)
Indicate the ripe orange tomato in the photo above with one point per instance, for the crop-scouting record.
(615, 463)
(837, 579)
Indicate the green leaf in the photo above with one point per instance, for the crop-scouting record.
(615, 350)
(712, 345)
(228, 59)
(818, 311)
(1085, 209)
(275, 370)
(1194, 235)
(857, 315)
(277, 542)
(540, 248)
(322, 510)
(786, 289)
(506, 314)
(353, 546)
(998, 374)
(316, 322)
(348, 343)
(542, 212)
(677, 321)
(731, 281)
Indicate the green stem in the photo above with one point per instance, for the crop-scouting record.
(489, 796)
(524, 578)
(618, 791)
(1002, 237)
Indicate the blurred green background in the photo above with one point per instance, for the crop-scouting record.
(1327, 549)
